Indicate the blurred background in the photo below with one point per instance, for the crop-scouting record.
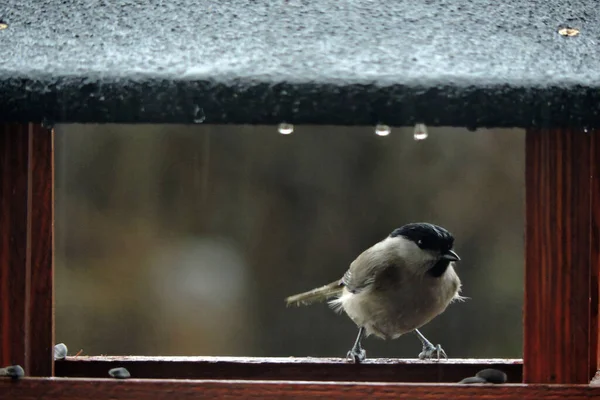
(185, 240)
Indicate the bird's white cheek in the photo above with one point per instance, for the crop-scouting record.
(421, 258)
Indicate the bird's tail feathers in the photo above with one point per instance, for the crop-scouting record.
(316, 295)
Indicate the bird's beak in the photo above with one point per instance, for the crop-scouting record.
(450, 255)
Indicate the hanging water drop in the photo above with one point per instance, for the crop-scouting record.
(199, 116)
(382, 130)
(420, 132)
(47, 123)
(285, 129)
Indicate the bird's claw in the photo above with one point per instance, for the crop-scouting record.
(357, 356)
(430, 351)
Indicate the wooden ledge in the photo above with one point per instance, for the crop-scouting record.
(288, 368)
(100, 389)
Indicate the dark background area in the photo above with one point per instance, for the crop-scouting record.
(185, 240)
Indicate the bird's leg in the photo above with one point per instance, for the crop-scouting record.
(429, 350)
(357, 354)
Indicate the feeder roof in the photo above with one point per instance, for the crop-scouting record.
(357, 62)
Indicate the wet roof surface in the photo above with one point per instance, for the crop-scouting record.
(460, 63)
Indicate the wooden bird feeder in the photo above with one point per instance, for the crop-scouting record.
(453, 63)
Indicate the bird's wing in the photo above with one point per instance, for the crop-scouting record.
(368, 269)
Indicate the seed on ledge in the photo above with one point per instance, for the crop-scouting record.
(60, 351)
(12, 371)
(492, 375)
(119, 373)
(473, 379)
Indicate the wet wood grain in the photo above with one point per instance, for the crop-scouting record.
(26, 247)
(558, 279)
(133, 389)
(297, 369)
(595, 253)
(14, 158)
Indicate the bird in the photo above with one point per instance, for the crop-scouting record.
(395, 287)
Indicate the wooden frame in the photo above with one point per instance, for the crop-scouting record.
(287, 369)
(560, 312)
(101, 389)
(27, 247)
(561, 268)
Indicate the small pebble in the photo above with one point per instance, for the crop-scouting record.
(119, 373)
(60, 351)
(13, 371)
(473, 379)
(492, 375)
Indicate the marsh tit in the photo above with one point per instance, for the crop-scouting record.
(395, 287)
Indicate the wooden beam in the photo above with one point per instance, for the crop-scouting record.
(14, 155)
(558, 277)
(135, 389)
(26, 247)
(41, 248)
(297, 369)
(595, 252)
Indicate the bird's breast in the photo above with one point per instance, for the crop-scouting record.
(392, 313)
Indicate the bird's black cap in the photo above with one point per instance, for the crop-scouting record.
(427, 236)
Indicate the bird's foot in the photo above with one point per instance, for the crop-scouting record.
(430, 351)
(357, 355)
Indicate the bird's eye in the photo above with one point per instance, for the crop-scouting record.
(420, 243)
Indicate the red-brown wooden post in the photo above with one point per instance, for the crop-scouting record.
(595, 256)
(136, 389)
(41, 247)
(560, 335)
(13, 246)
(26, 247)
